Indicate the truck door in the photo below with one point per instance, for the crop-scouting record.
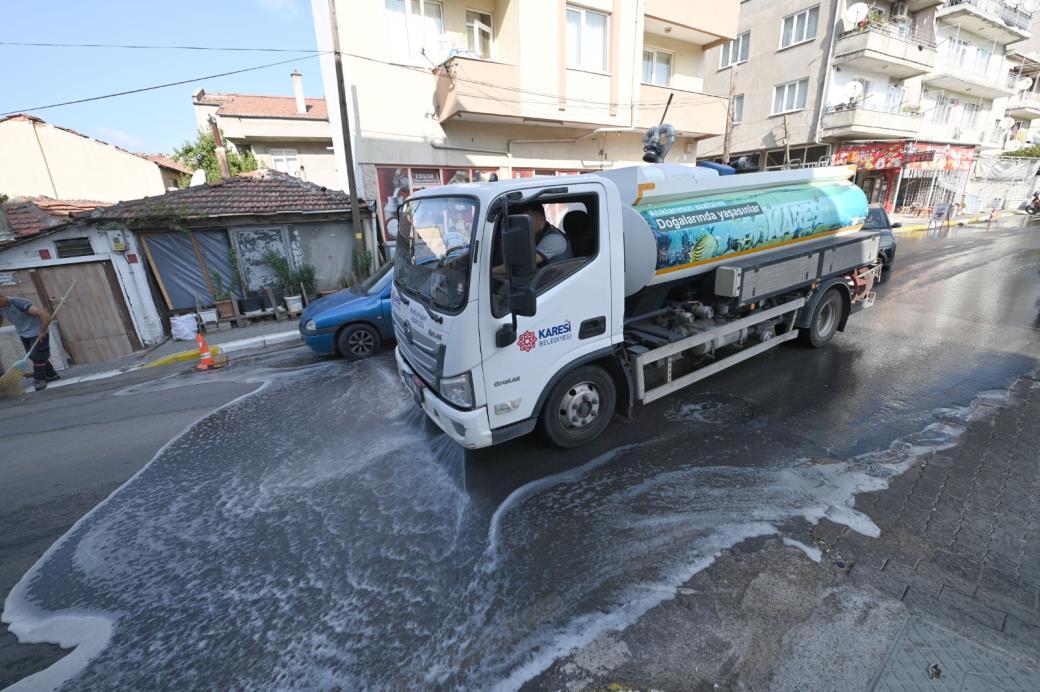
(574, 315)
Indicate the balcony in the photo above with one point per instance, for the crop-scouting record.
(845, 122)
(1024, 106)
(883, 49)
(688, 21)
(472, 89)
(918, 5)
(991, 19)
(692, 113)
(988, 85)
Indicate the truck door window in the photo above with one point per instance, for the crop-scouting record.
(577, 217)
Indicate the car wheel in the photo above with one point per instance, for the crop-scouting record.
(357, 342)
(579, 407)
(824, 322)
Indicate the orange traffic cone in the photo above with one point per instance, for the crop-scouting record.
(205, 357)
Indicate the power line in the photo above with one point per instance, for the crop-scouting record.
(159, 86)
(147, 47)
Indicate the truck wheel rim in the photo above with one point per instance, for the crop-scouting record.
(828, 319)
(360, 343)
(579, 407)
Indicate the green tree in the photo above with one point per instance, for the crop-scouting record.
(202, 153)
(1030, 152)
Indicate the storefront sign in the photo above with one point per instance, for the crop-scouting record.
(915, 156)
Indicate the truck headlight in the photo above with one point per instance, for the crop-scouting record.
(311, 326)
(458, 390)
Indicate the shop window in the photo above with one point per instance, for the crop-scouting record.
(73, 247)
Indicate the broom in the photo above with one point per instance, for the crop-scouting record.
(11, 381)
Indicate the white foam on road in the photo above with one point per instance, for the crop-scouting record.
(294, 539)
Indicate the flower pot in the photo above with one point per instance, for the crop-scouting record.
(279, 295)
(226, 309)
(294, 303)
(248, 304)
(208, 315)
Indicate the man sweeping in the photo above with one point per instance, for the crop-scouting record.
(31, 324)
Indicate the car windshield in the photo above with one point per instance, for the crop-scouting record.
(433, 245)
(875, 220)
(378, 281)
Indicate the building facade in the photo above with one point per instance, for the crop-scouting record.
(912, 92)
(40, 159)
(290, 134)
(446, 90)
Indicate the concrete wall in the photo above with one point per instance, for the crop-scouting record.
(768, 65)
(39, 159)
(132, 276)
(329, 247)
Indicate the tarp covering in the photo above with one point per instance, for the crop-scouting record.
(216, 254)
(178, 268)
(1009, 169)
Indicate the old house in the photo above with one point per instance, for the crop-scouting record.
(201, 241)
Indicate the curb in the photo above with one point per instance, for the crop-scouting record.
(229, 347)
(957, 222)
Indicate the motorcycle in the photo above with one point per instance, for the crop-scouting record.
(1033, 207)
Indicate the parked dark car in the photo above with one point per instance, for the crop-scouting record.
(354, 322)
(877, 220)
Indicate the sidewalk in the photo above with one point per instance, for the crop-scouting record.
(913, 223)
(168, 352)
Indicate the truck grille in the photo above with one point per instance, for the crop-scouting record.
(422, 352)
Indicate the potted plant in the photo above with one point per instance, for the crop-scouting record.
(306, 276)
(284, 278)
(222, 297)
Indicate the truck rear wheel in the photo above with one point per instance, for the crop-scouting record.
(824, 322)
(579, 407)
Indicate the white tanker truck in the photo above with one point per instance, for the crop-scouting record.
(673, 273)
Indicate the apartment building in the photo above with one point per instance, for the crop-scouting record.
(456, 90)
(910, 91)
(290, 134)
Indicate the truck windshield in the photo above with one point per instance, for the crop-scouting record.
(433, 244)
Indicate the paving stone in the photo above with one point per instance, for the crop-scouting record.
(886, 583)
(960, 569)
(966, 605)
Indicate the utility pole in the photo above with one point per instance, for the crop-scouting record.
(787, 144)
(348, 146)
(727, 141)
(218, 148)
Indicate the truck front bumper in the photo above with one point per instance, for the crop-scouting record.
(469, 428)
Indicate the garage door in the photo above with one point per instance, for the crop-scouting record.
(94, 322)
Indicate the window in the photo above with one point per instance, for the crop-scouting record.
(982, 56)
(577, 216)
(894, 98)
(478, 32)
(800, 27)
(863, 99)
(415, 29)
(738, 108)
(971, 112)
(285, 160)
(956, 52)
(657, 67)
(736, 51)
(586, 39)
(943, 109)
(790, 96)
(73, 247)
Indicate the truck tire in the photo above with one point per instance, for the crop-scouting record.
(824, 322)
(357, 342)
(579, 407)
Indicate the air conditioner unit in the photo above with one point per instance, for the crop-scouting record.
(900, 10)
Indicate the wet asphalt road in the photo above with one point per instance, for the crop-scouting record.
(296, 539)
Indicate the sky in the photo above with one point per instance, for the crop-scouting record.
(153, 121)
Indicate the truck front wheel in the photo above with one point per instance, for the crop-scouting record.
(825, 320)
(579, 407)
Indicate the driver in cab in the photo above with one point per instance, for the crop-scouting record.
(551, 244)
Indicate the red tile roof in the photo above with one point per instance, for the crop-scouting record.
(31, 217)
(257, 194)
(259, 106)
(165, 161)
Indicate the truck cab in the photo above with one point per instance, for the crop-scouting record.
(476, 367)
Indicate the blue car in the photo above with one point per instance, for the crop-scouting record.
(354, 322)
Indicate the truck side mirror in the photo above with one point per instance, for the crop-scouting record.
(522, 301)
(897, 224)
(518, 246)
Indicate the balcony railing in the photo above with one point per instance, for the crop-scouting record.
(900, 31)
(1012, 16)
(901, 109)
